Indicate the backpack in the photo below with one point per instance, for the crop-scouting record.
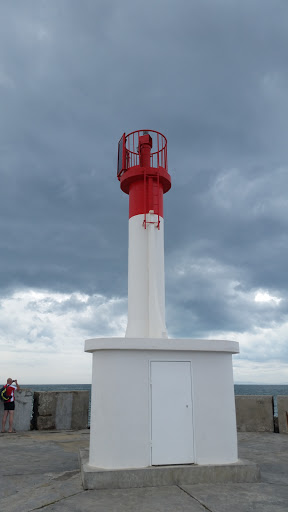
(3, 394)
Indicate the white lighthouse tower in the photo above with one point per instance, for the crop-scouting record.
(156, 401)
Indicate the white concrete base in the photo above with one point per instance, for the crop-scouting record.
(243, 471)
(122, 401)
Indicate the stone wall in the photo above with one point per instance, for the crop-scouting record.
(68, 410)
(254, 413)
(23, 410)
(41, 410)
(60, 410)
(282, 403)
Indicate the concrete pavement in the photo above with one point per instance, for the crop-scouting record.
(40, 471)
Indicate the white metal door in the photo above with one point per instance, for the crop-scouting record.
(171, 413)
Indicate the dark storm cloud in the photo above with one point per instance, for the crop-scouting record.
(212, 76)
(205, 296)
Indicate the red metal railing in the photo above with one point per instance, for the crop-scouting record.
(158, 156)
(128, 151)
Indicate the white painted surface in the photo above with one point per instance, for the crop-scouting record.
(232, 347)
(120, 431)
(171, 413)
(146, 286)
(214, 409)
(119, 423)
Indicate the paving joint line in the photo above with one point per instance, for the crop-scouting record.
(198, 501)
(56, 501)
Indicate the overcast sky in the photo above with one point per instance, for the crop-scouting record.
(212, 76)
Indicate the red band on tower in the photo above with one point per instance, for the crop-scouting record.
(143, 174)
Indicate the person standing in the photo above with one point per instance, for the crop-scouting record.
(9, 405)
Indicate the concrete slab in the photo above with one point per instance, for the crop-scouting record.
(60, 410)
(97, 478)
(254, 413)
(282, 403)
(40, 470)
(149, 499)
(23, 410)
(39, 467)
(239, 498)
(41, 494)
(270, 451)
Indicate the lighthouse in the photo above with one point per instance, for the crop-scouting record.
(143, 174)
(156, 401)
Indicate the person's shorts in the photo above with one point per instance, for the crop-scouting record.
(9, 406)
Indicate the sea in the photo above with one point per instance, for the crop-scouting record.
(239, 389)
